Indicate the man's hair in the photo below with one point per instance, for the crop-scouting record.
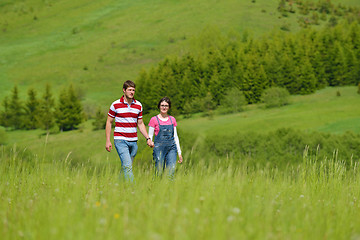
(165, 99)
(128, 83)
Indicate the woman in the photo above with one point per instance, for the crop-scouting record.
(166, 141)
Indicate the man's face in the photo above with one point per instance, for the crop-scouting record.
(129, 92)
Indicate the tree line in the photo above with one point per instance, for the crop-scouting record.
(66, 113)
(301, 63)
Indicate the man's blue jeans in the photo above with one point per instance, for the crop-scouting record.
(127, 151)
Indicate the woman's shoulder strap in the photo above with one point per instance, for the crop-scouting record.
(157, 119)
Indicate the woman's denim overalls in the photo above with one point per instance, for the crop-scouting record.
(164, 153)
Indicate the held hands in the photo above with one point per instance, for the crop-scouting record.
(150, 143)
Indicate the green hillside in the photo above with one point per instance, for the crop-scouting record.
(323, 111)
(98, 44)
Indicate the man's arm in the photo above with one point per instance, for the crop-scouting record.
(109, 122)
(143, 131)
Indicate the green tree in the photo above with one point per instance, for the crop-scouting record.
(69, 111)
(323, 16)
(353, 38)
(4, 114)
(156, 89)
(15, 110)
(233, 101)
(316, 60)
(143, 84)
(324, 6)
(47, 105)
(100, 120)
(315, 18)
(188, 109)
(31, 117)
(306, 80)
(254, 80)
(338, 66)
(214, 85)
(332, 21)
(327, 56)
(281, 6)
(197, 105)
(272, 66)
(208, 105)
(275, 97)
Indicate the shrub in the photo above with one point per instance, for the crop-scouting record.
(332, 22)
(69, 111)
(275, 97)
(285, 27)
(233, 101)
(100, 120)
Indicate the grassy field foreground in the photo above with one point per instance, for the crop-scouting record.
(54, 200)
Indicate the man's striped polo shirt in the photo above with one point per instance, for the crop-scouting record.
(126, 117)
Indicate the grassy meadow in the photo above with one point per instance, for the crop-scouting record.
(66, 186)
(54, 200)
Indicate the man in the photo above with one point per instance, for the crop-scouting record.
(128, 115)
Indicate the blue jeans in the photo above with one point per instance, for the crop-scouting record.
(165, 158)
(127, 151)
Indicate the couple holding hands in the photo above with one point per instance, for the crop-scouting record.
(127, 113)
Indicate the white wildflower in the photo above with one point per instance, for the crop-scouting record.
(196, 210)
(102, 221)
(236, 210)
(230, 218)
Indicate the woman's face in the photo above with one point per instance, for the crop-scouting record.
(164, 107)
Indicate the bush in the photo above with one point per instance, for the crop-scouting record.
(275, 97)
(99, 120)
(285, 27)
(233, 102)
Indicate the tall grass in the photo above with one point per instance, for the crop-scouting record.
(40, 199)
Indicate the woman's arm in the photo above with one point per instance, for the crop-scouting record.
(151, 132)
(177, 142)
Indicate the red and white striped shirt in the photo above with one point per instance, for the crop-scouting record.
(126, 117)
